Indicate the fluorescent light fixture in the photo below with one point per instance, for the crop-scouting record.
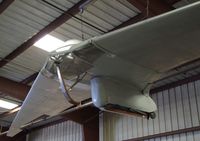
(7, 105)
(49, 43)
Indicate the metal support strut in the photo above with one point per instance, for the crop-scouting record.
(63, 87)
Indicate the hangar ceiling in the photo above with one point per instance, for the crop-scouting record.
(23, 22)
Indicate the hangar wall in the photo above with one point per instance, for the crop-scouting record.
(65, 131)
(178, 108)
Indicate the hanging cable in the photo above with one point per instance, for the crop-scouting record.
(147, 9)
(79, 19)
(82, 32)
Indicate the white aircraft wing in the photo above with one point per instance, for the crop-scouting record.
(152, 47)
(45, 99)
(137, 54)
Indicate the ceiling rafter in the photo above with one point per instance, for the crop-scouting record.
(156, 7)
(13, 88)
(47, 29)
(5, 4)
(130, 21)
(172, 2)
(153, 7)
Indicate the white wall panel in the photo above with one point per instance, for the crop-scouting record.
(178, 108)
(65, 131)
(173, 109)
(190, 136)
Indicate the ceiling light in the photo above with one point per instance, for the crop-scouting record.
(7, 105)
(49, 43)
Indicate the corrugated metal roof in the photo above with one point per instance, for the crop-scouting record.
(102, 14)
(21, 21)
(108, 14)
(24, 18)
(24, 65)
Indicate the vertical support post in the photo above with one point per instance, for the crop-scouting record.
(91, 130)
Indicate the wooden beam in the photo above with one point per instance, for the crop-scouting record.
(89, 118)
(19, 137)
(155, 7)
(170, 133)
(13, 88)
(50, 27)
(172, 2)
(86, 114)
(132, 20)
(91, 129)
(4, 5)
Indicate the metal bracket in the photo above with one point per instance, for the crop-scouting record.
(63, 87)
